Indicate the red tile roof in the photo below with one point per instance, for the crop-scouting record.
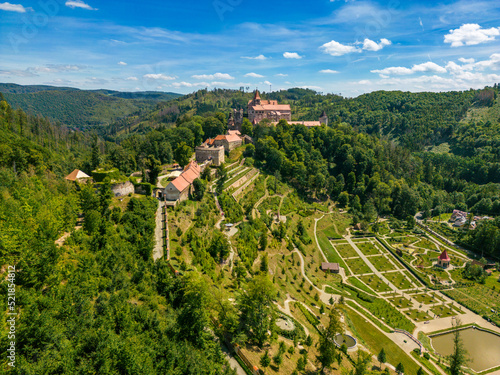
(76, 174)
(228, 137)
(180, 183)
(233, 138)
(444, 256)
(190, 175)
(191, 172)
(271, 107)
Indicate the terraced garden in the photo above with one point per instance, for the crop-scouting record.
(346, 251)
(367, 248)
(444, 310)
(399, 280)
(381, 263)
(418, 315)
(400, 302)
(427, 298)
(389, 314)
(375, 283)
(358, 266)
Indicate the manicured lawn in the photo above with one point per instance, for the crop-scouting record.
(375, 341)
(427, 298)
(346, 251)
(399, 280)
(358, 266)
(417, 315)
(367, 248)
(375, 283)
(382, 264)
(400, 302)
(354, 281)
(444, 310)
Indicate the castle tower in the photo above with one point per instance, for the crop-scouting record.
(256, 98)
(323, 119)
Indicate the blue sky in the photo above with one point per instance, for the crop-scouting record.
(344, 46)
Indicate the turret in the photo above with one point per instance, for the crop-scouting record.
(323, 119)
(256, 98)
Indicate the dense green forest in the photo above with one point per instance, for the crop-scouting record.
(82, 109)
(98, 304)
(463, 121)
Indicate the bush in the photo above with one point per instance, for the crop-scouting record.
(427, 355)
(100, 174)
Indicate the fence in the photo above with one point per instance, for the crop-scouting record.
(409, 335)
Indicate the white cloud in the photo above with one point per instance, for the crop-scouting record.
(212, 76)
(428, 67)
(328, 71)
(370, 45)
(17, 73)
(292, 55)
(159, 76)
(122, 63)
(281, 75)
(189, 84)
(267, 83)
(394, 70)
(132, 79)
(471, 34)
(56, 68)
(466, 61)
(260, 57)
(493, 63)
(78, 4)
(254, 75)
(417, 68)
(14, 8)
(337, 49)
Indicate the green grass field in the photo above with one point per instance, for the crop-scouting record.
(374, 340)
(367, 248)
(417, 315)
(444, 310)
(358, 266)
(427, 298)
(381, 263)
(400, 302)
(399, 280)
(346, 251)
(375, 283)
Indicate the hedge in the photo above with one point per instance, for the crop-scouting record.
(100, 174)
(298, 331)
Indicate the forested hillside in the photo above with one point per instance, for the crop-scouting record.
(418, 121)
(81, 109)
(98, 304)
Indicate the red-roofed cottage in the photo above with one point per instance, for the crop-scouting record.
(180, 188)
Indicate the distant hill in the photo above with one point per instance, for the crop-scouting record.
(82, 109)
(464, 123)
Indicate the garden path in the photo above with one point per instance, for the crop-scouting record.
(158, 248)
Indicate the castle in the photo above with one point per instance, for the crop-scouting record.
(259, 110)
